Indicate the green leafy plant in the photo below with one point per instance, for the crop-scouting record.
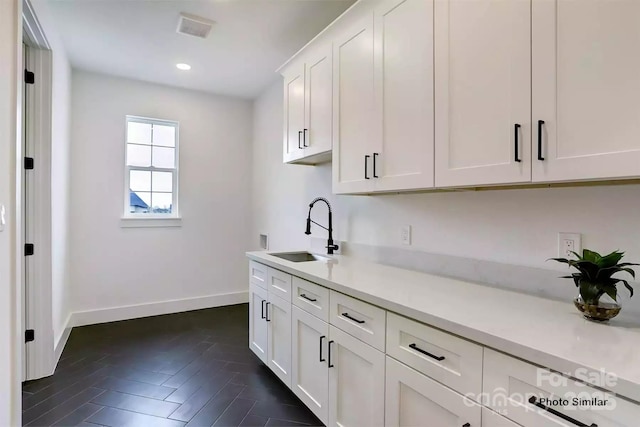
(595, 271)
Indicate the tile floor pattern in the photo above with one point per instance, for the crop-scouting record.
(186, 369)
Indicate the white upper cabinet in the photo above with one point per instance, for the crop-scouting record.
(354, 110)
(403, 155)
(317, 132)
(483, 92)
(293, 113)
(586, 89)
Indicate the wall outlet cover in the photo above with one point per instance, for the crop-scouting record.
(405, 234)
(568, 243)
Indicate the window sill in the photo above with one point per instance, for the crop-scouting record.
(130, 222)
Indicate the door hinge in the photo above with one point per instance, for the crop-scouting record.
(29, 335)
(28, 249)
(28, 162)
(29, 77)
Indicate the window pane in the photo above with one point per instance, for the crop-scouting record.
(162, 181)
(140, 180)
(139, 202)
(164, 135)
(139, 133)
(161, 202)
(138, 155)
(164, 157)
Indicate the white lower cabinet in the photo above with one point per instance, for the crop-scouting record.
(309, 367)
(356, 381)
(278, 314)
(413, 399)
(492, 419)
(258, 330)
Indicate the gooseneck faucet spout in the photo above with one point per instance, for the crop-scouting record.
(330, 245)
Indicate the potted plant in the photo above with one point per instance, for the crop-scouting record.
(594, 279)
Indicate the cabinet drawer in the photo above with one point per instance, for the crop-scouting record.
(312, 298)
(279, 283)
(492, 419)
(519, 390)
(364, 321)
(258, 274)
(413, 399)
(455, 362)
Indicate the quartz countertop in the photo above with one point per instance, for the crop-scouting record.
(546, 332)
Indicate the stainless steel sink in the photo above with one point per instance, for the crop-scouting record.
(300, 256)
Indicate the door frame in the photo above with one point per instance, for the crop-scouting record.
(38, 355)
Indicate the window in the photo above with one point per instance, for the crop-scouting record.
(151, 168)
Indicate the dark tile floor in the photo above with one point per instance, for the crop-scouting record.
(192, 369)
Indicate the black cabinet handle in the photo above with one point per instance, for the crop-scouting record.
(307, 298)
(267, 313)
(351, 318)
(375, 156)
(262, 315)
(330, 342)
(516, 134)
(416, 348)
(299, 136)
(366, 163)
(540, 123)
(466, 425)
(533, 401)
(304, 137)
(321, 358)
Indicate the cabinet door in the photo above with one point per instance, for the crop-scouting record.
(404, 87)
(586, 89)
(356, 382)
(318, 101)
(413, 399)
(257, 321)
(483, 90)
(309, 371)
(353, 108)
(293, 113)
(492, 419)
(278, 312)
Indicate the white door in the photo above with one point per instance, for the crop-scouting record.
(483, 92)
(413, 399)
(492, 419)
(356, 382)
(354, 108)
(293, 113)
(309, 370)
(257, 321)
(278, 313)
(317, 134)
(404, 88)
(586, 89)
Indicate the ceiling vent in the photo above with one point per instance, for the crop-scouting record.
(195, 26)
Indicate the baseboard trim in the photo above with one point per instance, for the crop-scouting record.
(61, 343)
(114, 314)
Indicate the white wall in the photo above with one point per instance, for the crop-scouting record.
(113, 266)
(10, 364)
(516, 227)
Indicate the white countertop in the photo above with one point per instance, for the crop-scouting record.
(549, 333)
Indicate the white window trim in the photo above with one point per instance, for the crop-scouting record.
(172, 219)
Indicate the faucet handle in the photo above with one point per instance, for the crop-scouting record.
(334, 247)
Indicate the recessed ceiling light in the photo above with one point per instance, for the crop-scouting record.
(183, 67)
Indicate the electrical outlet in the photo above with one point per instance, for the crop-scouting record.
(568, 243)
(405, 234)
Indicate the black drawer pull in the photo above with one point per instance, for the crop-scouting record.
(304, 137)
(299, 136)
(540, 123)
(534, 401)
(321, 358)
(366, 163)
(416, 348)
(262, 315)
(307, 298)
(516, 135)
(351, 318)
(375, 156)
(267, 312)
(466, 425)
(330, 342)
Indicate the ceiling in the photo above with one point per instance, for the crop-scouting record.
(138, 39)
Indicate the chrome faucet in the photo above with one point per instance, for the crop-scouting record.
(330, 245)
